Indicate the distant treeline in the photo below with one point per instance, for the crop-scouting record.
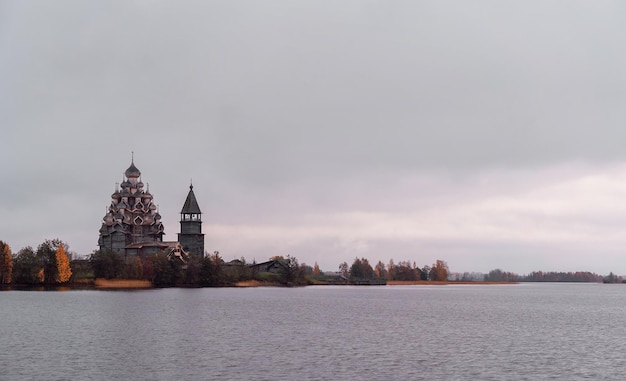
(52, 264)
(403, 271)
(498, 275)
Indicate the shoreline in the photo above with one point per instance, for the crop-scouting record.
(436, 282)
(134, 284)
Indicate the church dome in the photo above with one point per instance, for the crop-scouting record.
(108, 219)
(132, 171)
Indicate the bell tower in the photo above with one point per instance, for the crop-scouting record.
(190, 236)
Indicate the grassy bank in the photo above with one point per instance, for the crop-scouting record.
(121, 283)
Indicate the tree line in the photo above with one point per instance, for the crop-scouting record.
(209, 270)
(498, 275)
(402, 271)
(52, 264)
(48, 264)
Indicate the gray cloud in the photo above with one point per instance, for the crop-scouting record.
(284, 110)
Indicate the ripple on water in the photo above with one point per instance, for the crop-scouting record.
(512, 332)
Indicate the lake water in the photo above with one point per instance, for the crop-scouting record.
(454, 332)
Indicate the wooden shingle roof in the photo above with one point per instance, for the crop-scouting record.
(191, 205)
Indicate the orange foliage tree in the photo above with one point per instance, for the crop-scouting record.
(316, 269)
(6, 263)
(62, 262)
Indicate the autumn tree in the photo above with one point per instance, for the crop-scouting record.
(133, 268)
(404, 271)
(380, 271)
(439, 271)
(316, 270)
(55, 267)
(63, 272)
(6, 263)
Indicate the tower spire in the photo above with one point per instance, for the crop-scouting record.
(190, 236)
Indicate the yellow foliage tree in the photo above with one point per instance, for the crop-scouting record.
(64, 273)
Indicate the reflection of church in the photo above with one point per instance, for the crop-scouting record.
(132, 224)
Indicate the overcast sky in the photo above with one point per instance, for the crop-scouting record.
(489, 134)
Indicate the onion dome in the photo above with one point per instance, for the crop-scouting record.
(132, 171)
(146, 193)
(108, 219)
(116, 194)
